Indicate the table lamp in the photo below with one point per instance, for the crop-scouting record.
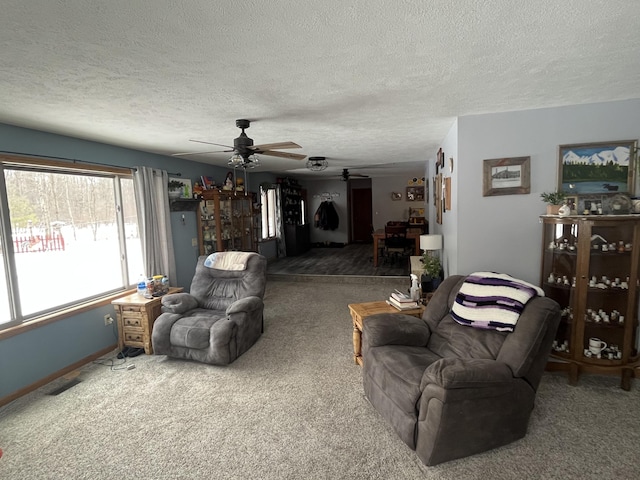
(430, 242)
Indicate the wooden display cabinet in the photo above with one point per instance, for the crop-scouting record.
(590, 267)
(297, 235)
(228, 221)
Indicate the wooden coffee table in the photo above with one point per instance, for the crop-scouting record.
(360, 311)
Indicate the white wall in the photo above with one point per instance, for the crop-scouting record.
(449, 226)
(503, 233)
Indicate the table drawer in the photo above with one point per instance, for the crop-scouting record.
(132, 321)
(126, 309)
(133, 337)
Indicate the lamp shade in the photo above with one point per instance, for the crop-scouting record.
(431, 242)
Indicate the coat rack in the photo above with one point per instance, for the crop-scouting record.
(326, 196)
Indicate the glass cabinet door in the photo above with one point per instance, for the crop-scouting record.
(607, 293)
(208, 226)
(245, 224)
(559, 270)
(227, 222)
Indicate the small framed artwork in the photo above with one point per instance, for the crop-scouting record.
(415, 194)
(506, 176)
(439, 161)
(572, 203)
(395, 196)
(439, 199)
(186, 191)
(435, 189)
(597, 168)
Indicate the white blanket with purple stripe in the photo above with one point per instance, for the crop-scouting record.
(492, 300)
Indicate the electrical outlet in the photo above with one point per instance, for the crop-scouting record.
(194, 242)
(108, 319)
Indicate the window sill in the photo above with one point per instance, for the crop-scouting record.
(66, 313)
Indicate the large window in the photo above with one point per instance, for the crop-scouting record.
(69, 235)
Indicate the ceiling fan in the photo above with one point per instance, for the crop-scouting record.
(243, 147)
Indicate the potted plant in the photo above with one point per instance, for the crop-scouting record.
(554, 201)
(175, 188)
(432, 272)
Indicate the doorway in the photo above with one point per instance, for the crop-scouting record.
(361, 211)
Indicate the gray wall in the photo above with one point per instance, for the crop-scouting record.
(503, 233)
(449, 226)
(385, 209)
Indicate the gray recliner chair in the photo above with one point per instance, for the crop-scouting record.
(221, 317)
(451, 390)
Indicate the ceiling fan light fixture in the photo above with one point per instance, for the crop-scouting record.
(235, 161)
(238, 161)
(317, 164)
(253, 161)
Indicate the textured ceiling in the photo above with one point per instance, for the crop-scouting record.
(364, 82)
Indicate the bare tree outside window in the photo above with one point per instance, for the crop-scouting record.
(66, 240)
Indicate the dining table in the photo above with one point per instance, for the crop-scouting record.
(379, 235)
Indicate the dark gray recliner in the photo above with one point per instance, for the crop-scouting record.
(221, 317)
(451, 390)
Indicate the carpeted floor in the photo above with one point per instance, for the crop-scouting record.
(292, 407)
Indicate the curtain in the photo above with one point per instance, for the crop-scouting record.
(152, 203)
(280, 242)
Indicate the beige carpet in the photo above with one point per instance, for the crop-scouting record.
(292, 408)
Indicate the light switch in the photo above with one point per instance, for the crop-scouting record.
(194, 242)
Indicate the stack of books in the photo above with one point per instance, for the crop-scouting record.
(402, 301)
(208, 183)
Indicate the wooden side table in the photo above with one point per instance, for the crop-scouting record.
(135, 316)
(360, 311)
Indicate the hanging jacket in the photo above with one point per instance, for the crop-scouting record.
(326, 217)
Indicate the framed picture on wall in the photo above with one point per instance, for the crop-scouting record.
(506, 176)
(572, 202)
(415, 194)
(596, 168)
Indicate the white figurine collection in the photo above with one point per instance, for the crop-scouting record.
(596, 348)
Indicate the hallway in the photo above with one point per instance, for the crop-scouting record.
(353, 259)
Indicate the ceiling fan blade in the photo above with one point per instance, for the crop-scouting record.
(292, 156)
(278, 146)
(210, 143)
(198, 153)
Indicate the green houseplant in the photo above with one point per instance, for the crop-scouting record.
(432, 272)
(553, 200)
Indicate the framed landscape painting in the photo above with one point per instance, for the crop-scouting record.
(506, 176)
(597, 168)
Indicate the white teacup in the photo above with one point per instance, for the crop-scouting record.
(596, 345)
